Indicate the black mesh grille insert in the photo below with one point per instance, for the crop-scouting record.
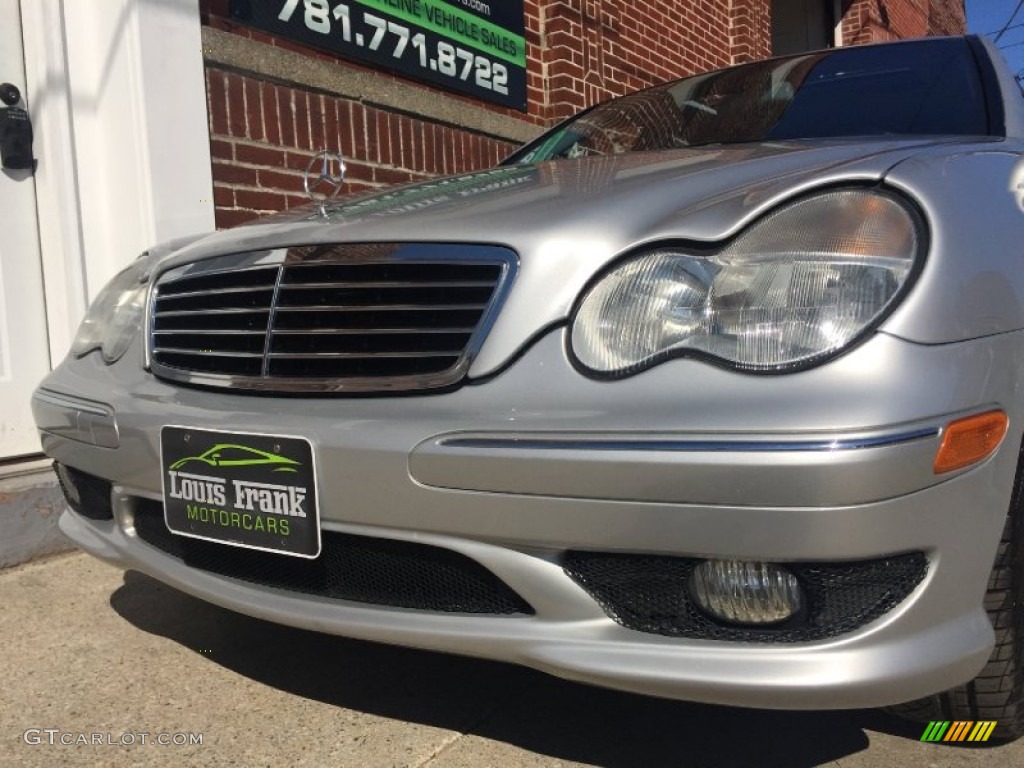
(87, 495)
(649, 593)
(358, 568)
(330, 318)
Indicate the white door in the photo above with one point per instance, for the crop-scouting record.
(24, 351)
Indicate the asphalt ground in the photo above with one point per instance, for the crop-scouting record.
(89, 649)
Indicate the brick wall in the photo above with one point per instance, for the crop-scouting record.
(262, 136)
(579, 52)
(873, 21)
(596, 49)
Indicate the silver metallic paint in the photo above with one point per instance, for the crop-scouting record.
(953, 348)
(569, 221)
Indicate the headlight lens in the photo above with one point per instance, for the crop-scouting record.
(115, 316)
(799, 284)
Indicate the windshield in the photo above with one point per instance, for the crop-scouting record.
(922, 87)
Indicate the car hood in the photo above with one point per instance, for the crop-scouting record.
(568, 218)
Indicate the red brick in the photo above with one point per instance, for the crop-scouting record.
(222, 150)
(377, 131)
(226, 219)
(302, 120)
(316, 122)
(271, 121)
(218, 102)
(223, 197)
(233, 174)
(286, 111)
(253, 110)
(429, 161)
(262, 155)
(331, 138)
(298, 161)
(353, 188)
(358, 171)
(296, 201)
(280, 180)
(359, 148)
(236, 105)
(408, 155)
(346, 134)
(390, 176)
(446, 160)
(259, 200)
(453, 153)
(395, 139)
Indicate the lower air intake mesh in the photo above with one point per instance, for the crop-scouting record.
(649, 593)
(85, 494)
(399, 574)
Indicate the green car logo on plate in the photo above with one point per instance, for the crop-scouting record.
(232, 455)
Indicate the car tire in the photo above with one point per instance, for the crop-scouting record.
(997, 693)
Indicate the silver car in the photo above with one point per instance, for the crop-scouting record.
(712, 392)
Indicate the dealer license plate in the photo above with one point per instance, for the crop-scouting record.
(245, 490)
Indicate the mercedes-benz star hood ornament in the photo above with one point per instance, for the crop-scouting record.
(325, 185)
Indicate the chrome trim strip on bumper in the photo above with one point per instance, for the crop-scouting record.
(689, 446)
(744, 469)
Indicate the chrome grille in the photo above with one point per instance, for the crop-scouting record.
(336, 318)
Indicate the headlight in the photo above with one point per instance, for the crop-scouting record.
(799, 285)
(115, 316)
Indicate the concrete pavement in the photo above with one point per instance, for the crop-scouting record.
(89, 650)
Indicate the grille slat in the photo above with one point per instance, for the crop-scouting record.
(378, 366)
(236, 365)
(247, 299)
(396, 284)
(367, 320)
(369, 297)
(232, 272)
(220, 331)
(368, 331)
(193, 312)
(207, 352)
(471, 306)
(390, 272)
(204, 321)
(329, 318)
(213, 292)
(376, 343)
(359, 355)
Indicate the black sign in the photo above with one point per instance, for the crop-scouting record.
(254, 491)
(474, 46)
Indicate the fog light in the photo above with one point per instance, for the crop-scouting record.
(744, 592)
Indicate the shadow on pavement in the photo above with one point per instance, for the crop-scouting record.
(522, 707)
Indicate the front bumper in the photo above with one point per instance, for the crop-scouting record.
(470, 472)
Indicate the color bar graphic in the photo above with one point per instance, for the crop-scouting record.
(959, 730)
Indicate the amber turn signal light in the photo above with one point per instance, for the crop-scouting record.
(969, 440)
